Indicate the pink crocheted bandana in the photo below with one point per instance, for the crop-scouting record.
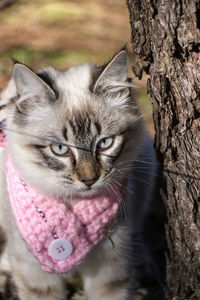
(59, 236)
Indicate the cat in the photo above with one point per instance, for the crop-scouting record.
(76, 135)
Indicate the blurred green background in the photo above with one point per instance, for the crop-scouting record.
(63, 33)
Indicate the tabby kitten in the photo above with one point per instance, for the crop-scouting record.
(73, 135)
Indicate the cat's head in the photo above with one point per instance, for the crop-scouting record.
(74, 132)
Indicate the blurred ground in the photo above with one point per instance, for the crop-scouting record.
(63, 33)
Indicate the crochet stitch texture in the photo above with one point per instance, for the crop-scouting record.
(41, 219)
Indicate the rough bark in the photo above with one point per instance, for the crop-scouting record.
(166, 42)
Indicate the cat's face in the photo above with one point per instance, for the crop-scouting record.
(73, 134)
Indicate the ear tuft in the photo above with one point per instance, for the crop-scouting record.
(113, 83)
(114, 73)
(29, 85)
(15, 60)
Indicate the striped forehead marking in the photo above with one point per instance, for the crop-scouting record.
(82, 124)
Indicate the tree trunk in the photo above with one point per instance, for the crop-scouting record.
(166, 42)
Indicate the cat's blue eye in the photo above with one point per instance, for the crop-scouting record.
(59, 149)
(105, 143)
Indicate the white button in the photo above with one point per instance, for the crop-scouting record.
(60, 249)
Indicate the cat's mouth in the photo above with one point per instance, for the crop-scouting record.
(88, 192)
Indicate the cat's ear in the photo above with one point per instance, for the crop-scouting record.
(29, 86)
(114, 76)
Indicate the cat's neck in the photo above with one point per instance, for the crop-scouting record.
(47, 224)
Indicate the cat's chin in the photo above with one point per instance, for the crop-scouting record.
(71, 196)
(86, 193)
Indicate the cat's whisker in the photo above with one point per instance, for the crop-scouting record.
(109, 188)
(132, 166)
(127, 188)
(55, 141)
(138, 161)
(126, 167)
(139, 180)
(130, 161)
(142, 160)
(118, 194)
(51, 140)
(143, 171)
(118, 200)
(146, 162)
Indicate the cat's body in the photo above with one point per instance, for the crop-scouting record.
(79, 132)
